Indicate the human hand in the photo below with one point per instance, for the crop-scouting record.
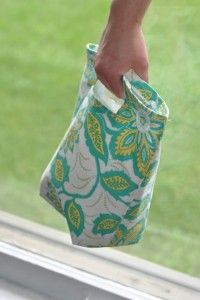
(121, 48)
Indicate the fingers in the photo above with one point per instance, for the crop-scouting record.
(141, 69)
(140, 62)
(111, 80)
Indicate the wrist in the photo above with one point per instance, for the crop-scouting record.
(128, 12)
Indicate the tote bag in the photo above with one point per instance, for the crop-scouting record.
(102, 174)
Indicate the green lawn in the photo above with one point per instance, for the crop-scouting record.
(42, 53)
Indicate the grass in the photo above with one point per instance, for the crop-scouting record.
(42, 55)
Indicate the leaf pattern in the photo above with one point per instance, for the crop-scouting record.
(133, 212)
(115, 153)
(118, 236)
(59, 170)
(106, 223)
(54, 199)
(73, 134)
(125, 116)
(123, 144)
(144, 159)
(75, 216)
(150, 172)
(95, 136)
(132, 236)
(117, 182)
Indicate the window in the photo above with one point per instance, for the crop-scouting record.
(41, 60)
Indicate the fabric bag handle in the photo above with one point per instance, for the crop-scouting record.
(139, 90)
(106, 97)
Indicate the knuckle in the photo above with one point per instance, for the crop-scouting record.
(144, 65)
(103, 72)
(99, 67)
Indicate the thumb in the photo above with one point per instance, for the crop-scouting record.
(141, 70)
(143, 74)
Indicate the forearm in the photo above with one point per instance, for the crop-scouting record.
(128, 12)
(122, 45)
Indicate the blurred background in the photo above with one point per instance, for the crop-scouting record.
(42, 54)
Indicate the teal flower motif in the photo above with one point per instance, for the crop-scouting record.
(123, 143)
(149, 132)
(150, 128)
(138, 140)
(125, 116)
(146, 129)
(59, 171)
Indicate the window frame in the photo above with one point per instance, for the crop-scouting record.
(50, 259)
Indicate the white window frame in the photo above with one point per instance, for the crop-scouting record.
(43, 260)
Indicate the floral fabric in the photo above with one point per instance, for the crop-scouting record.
(102, 174)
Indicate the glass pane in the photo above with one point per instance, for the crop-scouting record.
(42, 55)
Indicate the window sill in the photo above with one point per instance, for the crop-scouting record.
(44, 260)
